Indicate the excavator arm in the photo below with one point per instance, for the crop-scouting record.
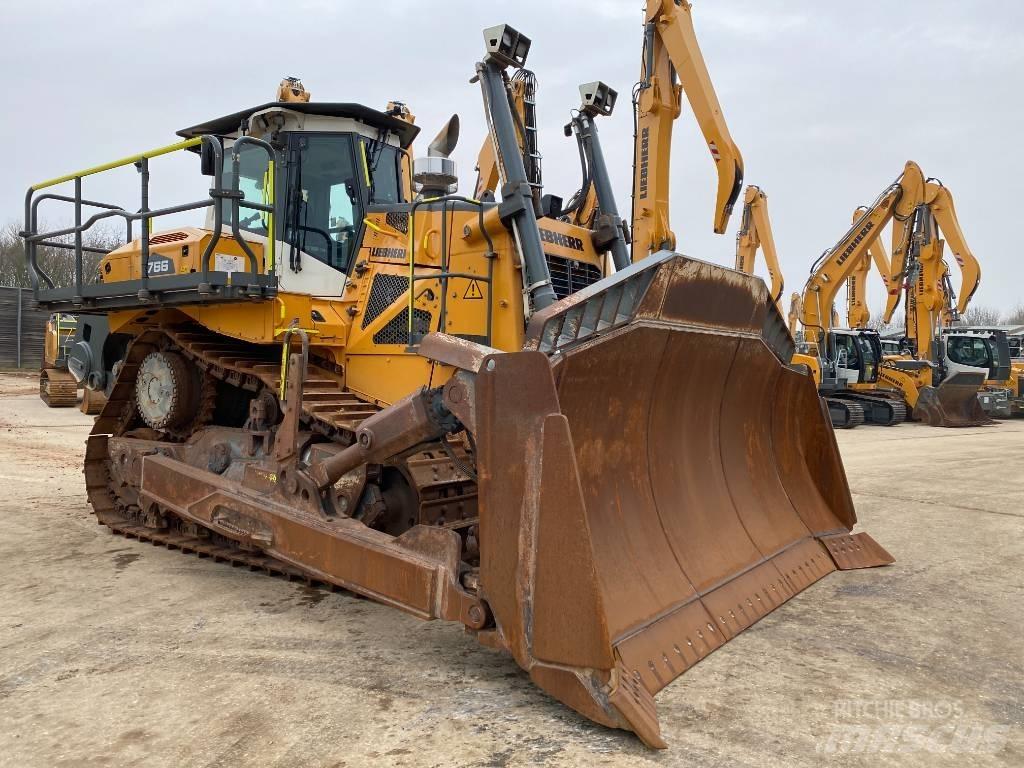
(756, 232)
(673, 64)
(857, 313)
(829, 272)
(794, 313)
(940, 201)
(916, 265)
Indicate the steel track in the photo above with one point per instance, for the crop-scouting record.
(327, 408)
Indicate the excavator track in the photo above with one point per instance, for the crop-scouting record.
(845, 414)
(328, 409)
(57, 388)
(879, 410)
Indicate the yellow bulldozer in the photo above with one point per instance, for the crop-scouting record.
(58, 384)
(463, 409)
(57, 387)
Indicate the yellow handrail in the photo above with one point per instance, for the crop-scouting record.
(118, 163)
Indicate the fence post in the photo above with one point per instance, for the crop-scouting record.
(18, 342)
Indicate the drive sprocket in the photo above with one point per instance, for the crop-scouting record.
(169, 391)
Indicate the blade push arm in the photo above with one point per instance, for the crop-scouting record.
(673, 64)
(756, 232)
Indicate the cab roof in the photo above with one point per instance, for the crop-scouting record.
(406, 132)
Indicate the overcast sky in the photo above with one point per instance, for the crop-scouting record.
(826, 100)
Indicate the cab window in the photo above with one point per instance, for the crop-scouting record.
(382, 164)
(846, 351)
(970, 351)
(323, 206)
(254, 183)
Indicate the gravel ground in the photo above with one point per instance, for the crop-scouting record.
(118, 653)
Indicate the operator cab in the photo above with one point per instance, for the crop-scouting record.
(985, 350)
(333, 163)
(854, 356)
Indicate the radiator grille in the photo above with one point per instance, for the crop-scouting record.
(397, 329)
(168, 237)
(397, 220)
(386, 290)
(569, 275)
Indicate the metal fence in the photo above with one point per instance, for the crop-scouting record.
(22, 329)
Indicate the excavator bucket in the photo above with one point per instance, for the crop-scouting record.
(653, 480)
(954, 403)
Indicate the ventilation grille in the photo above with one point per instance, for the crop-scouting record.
(398, 220)
(168, 237)
(397, 329)
(569, 275)
(386, 290)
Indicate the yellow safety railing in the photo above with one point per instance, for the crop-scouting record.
(130, 160)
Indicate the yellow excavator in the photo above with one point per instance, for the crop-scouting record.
(353, 374)
(974, 366)
(846, 362)
(755, 233)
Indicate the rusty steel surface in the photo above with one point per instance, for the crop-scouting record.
(620, 498)
(954, 403)
(454, 351)
(92, 402)
(696, 483)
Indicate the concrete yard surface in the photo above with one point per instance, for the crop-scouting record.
(118, 653)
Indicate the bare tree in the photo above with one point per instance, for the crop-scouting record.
(1016, 316)
(58, 263)
(981, 315)
(877, 323)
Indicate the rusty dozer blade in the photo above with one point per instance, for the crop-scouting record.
(954, 403)
(653, 480)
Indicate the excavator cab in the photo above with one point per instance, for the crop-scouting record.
(987, 351)
(981, 351)
(855, 355)
(891, 347)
